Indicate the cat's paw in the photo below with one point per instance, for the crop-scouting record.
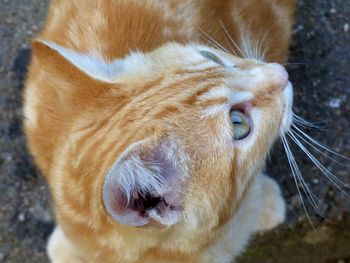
(273, 205)
(60, 249)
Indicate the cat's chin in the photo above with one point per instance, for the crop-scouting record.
(288, 113)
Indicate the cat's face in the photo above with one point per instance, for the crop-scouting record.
(177, 134)
(214, 158)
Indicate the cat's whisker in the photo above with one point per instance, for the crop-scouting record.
(255, 48)
(266, 45)
(259, 46)
(260, 42)
(230, 46)
(317, 149)
(247, 42)
(294, 66)
(323, 169)
(309, 194)
(212, 39)
(293, 167)
(233, 42)
(228, 42)
(305, 123)
(263, 54)
(247, 46)
(317, 143)
(293, 63)
(211, 43)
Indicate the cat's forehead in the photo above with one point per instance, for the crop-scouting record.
(192, 53)
(241, 77)
(198, 53)
(238, 80)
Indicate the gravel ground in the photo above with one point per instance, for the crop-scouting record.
(321, 49)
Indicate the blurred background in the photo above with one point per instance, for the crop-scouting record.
(320, 72)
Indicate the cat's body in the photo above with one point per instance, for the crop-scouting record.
(95, 119)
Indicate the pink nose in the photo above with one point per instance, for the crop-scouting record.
(278, 75)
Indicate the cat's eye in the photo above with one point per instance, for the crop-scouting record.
(211, 57)
(241, 125)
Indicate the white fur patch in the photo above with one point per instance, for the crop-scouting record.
(274, 206)
(215, 110)
(263, 199)
(287, 116)
(233, 97)
(29, 110)
(97, 68)
(133, 173)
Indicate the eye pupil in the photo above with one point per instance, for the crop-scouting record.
(236, 118)
(241, 125)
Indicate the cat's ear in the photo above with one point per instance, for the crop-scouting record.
(53, 55)
(145, 185)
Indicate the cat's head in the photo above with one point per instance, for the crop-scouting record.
(172, 137)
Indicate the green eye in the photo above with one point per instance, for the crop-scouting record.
(241, 125)
(211, 57)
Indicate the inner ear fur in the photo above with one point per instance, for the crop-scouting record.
(145, 185)
(61, 73)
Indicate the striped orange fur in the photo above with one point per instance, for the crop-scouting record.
(118, 89)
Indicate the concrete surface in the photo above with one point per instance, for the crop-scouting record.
(322, 90)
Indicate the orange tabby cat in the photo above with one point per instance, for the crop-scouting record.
(153, 141)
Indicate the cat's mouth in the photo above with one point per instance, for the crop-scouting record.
(288, 113)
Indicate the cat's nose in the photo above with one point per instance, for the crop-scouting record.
(277, 75)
